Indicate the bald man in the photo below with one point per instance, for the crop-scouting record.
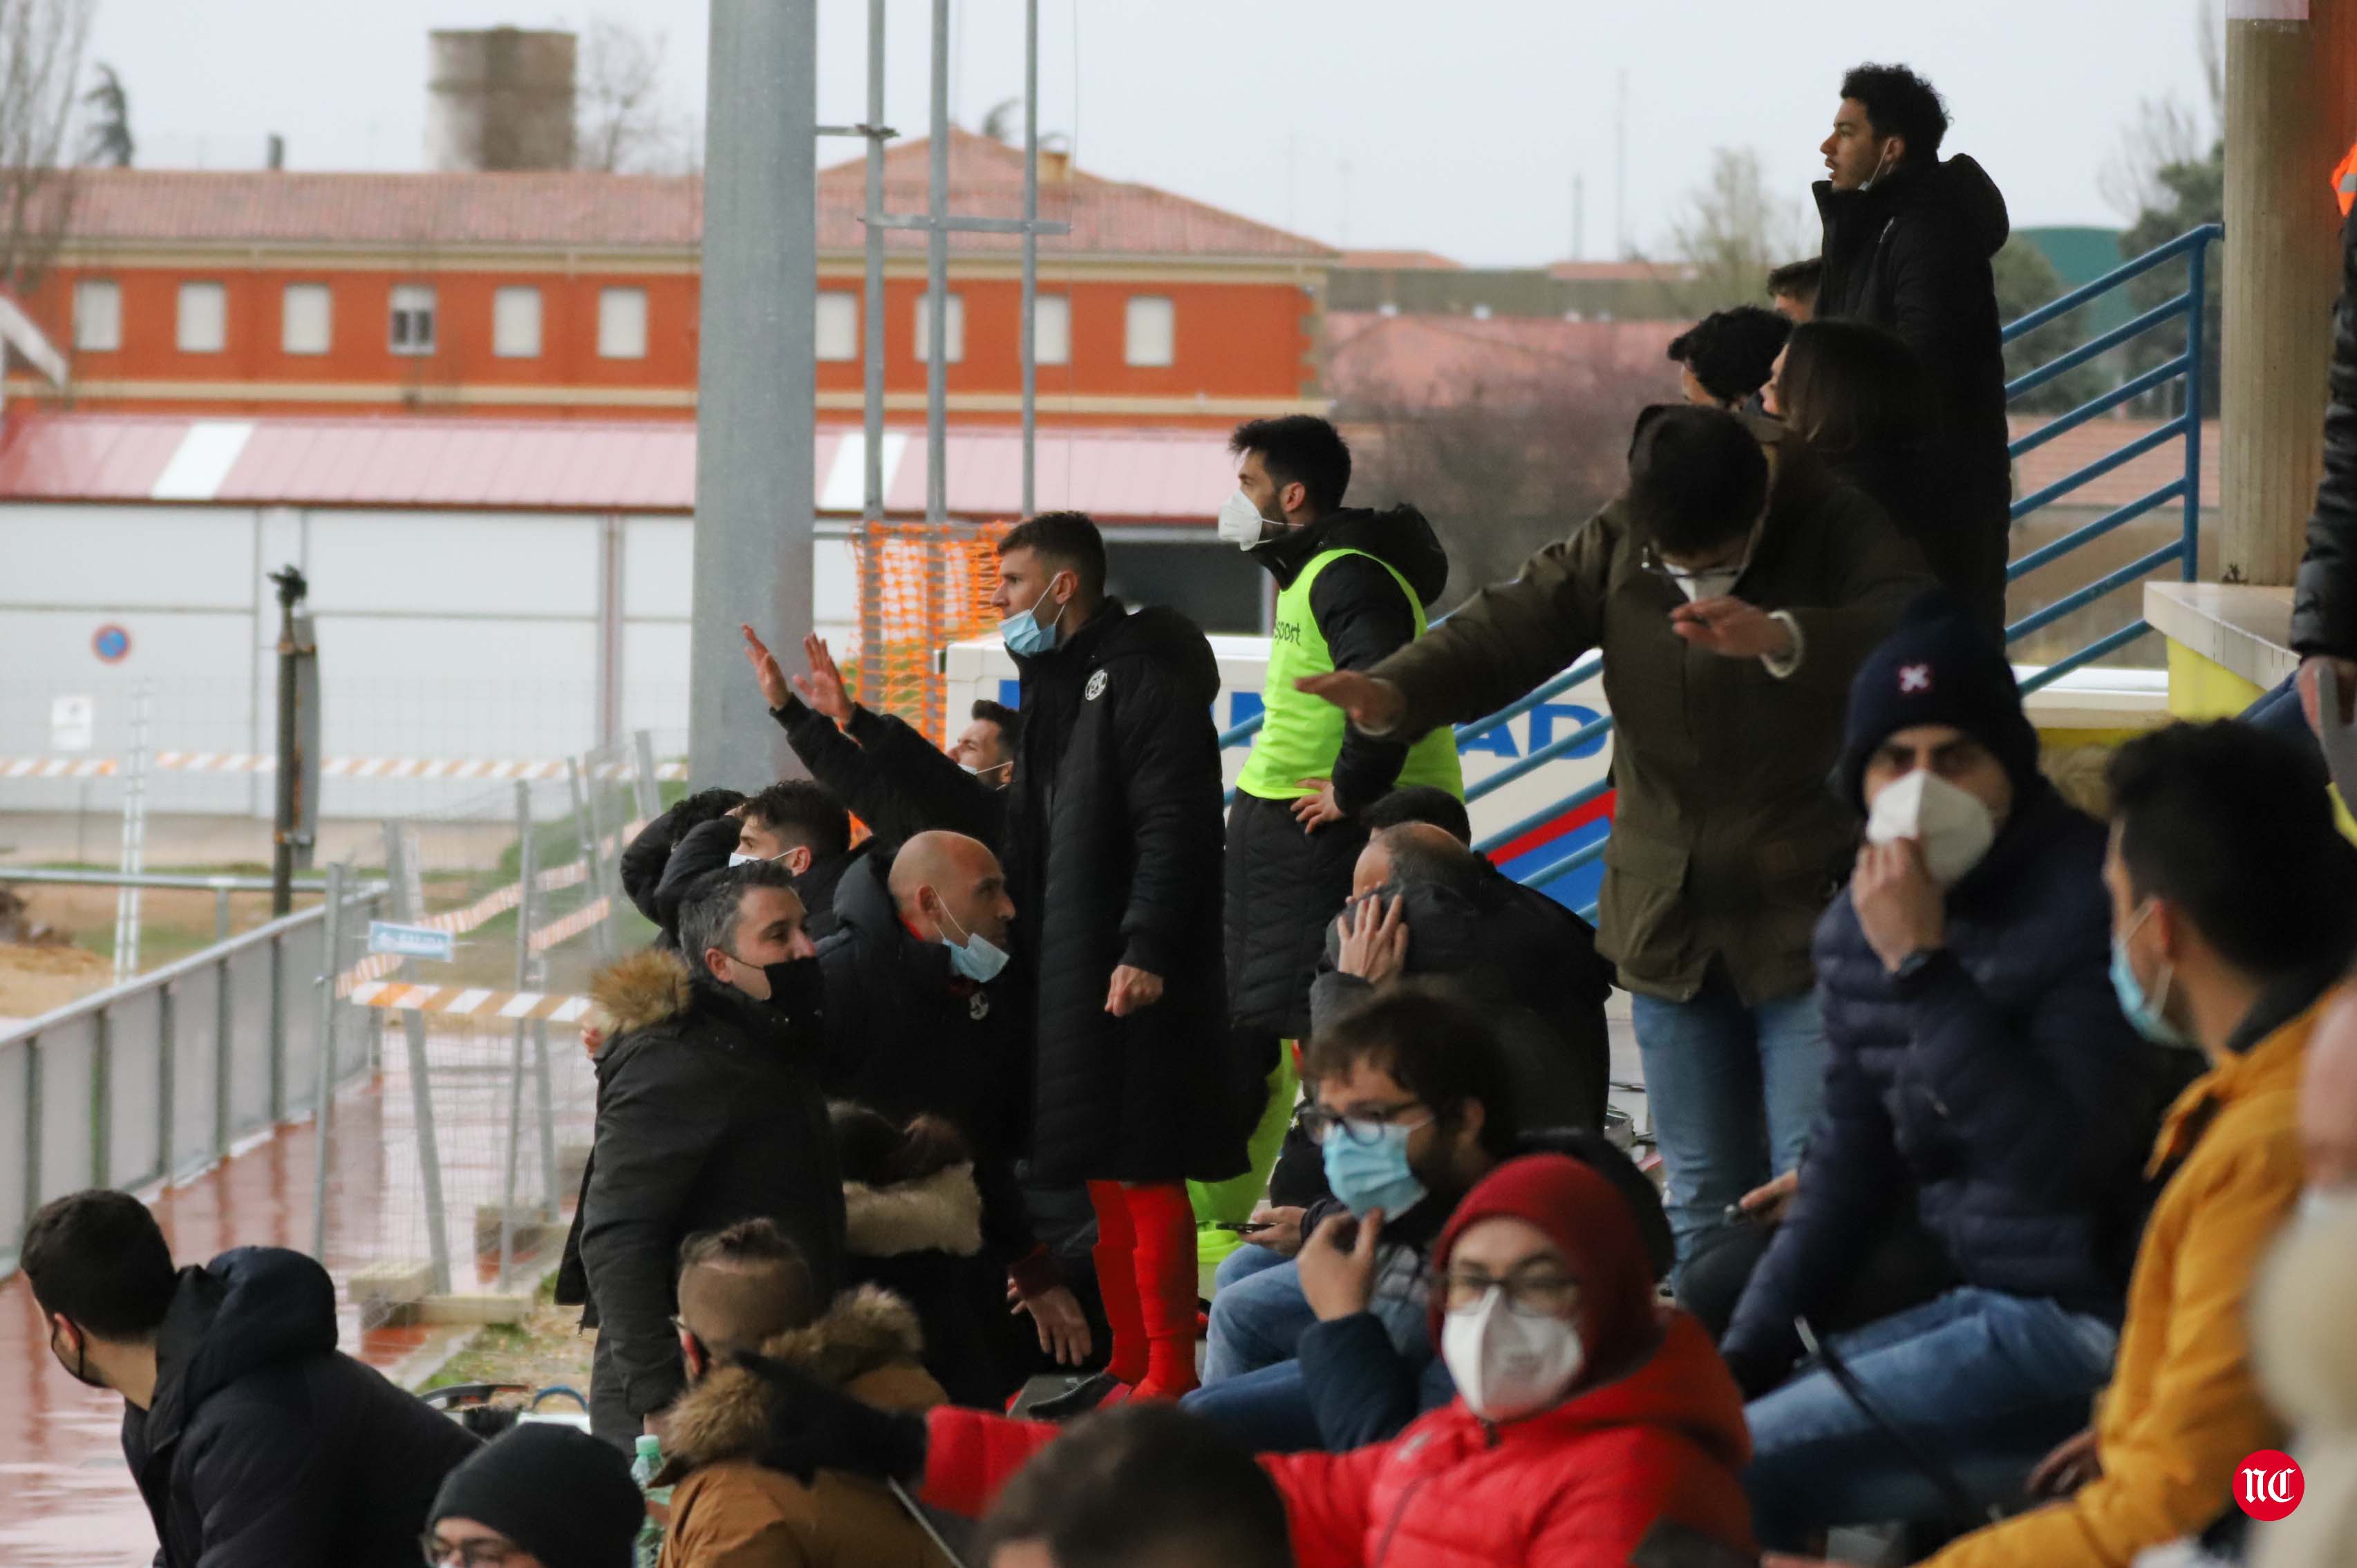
(917, 1022)
(745, 1291)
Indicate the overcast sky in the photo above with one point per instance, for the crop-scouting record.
(1456, 127)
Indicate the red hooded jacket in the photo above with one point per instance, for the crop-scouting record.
(1576, 1486)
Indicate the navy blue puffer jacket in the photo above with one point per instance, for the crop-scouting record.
(1998, 1087)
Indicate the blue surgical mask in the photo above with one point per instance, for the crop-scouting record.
(2143, 1012)
(1372, 1175)
(1024, 636)
(977, 958)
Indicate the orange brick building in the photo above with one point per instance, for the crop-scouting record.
(574, 295)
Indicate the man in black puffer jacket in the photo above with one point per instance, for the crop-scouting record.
(916, 1025)
(646, 858)
(1909, 242)
(254, 1442)
(1113, 854)
(1982, 1079)
(1351, 590)
(709, 1112)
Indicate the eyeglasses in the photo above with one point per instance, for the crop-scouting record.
(1540, 1293)
(1364, 1128)
(475, 1552)
(1650, 560)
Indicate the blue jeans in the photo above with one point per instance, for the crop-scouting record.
(1732, 1090)
(1258, 1315)
(1269, 1410)
(1985, 1384)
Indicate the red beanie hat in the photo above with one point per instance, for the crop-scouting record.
(1591, 1224)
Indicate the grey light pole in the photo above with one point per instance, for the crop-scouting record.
(756, 405)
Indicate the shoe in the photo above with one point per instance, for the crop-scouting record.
(1103, 1388)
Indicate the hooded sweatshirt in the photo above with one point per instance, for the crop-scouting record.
(263, 1446)
(1651, 1435)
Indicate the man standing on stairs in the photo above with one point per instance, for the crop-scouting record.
(1351, 590)
(1909, 242)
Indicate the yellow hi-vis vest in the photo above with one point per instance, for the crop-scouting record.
(1300, 734)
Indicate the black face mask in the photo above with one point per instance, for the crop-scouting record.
(80, 1371)
(797, 990)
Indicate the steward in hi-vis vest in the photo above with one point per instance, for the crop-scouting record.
(1351, 589)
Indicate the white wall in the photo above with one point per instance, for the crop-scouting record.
(442, 634)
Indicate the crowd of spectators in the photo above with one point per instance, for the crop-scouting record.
(2007, 1191)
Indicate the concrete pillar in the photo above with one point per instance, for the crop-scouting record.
(756, 403)
(2291, 112)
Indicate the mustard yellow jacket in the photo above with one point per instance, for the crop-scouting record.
(2184, 1405)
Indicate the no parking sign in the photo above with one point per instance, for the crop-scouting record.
(112, 643)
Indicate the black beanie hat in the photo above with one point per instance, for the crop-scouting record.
(1940, 667)
(555, 1490)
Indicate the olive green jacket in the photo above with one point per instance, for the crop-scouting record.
(1726, 841)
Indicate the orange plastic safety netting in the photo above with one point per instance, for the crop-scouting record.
(921, 587)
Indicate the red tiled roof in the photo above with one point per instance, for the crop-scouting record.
(1619, 271)
(1430, 360)
(2098, 438)
(580, 209)
(1114, 474)
(1400, 261)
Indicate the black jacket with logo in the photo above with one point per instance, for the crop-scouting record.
(1112, 847)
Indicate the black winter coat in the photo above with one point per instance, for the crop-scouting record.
(1113, 857)
(907, 1035)
(709, 1112)
(1999, 1086)
(2324, 603)
(1913, 255)
(890, 777)
(1910, 485)
(1283, 885)
(646, 860)
(816, 888)
(265, 1446)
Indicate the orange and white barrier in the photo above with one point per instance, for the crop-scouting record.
(469, 1002)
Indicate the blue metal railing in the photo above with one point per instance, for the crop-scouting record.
(2186, 489)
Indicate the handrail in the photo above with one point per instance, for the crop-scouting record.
(2192, 239)
(195, 963)
(170, 880)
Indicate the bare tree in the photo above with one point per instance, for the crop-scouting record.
(625, 120)
(2165, 132)
(1505, 464)
(41, 44)
(1731, 231)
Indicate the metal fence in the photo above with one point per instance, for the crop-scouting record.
(160, 1076)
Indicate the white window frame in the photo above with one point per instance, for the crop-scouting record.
(622, 323)
(291, 317)
(835, 325)
(1052, 328)
(203, 303)
(98, 328)
(953, 328)
(515, 306)
(1140, 330)
(410, 325)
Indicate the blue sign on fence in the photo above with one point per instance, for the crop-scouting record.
(410, 941)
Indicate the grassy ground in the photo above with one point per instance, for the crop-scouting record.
(545, 1349)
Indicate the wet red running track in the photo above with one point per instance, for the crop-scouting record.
(66, 1497)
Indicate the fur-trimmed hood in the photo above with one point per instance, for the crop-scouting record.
(868, 1331)
(939, 1213)
(645, 989)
